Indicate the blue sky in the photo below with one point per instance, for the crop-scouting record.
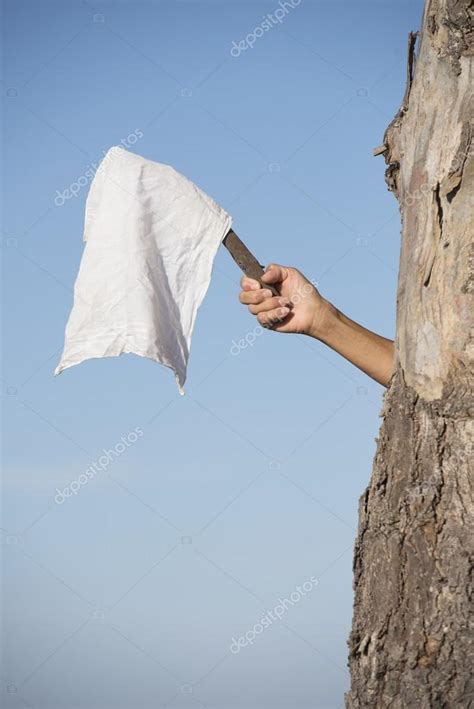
(130, 592)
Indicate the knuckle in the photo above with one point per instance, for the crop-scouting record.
(265, 305)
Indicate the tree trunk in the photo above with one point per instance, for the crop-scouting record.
(411, 645)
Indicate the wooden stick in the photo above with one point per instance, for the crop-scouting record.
(245, 259)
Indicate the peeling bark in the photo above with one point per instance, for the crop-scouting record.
(411, 641)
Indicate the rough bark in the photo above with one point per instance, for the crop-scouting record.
(411, 642)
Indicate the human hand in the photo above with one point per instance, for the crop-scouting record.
(299, 308)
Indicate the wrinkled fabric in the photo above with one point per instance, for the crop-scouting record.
(151, 237)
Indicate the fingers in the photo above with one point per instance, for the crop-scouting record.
(273, 317)
(269, 304)
(261, 302)
(253, 297)
(249, 283)
(275, 274)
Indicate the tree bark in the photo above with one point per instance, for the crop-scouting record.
(411, 643)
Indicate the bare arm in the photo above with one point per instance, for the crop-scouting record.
(370, 352)
(301, 309)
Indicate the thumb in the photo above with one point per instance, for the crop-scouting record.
(275, 274)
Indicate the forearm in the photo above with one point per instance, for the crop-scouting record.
(371, 353)
(301, 309)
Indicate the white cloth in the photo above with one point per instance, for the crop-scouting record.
(151, 237)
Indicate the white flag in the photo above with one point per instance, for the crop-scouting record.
(151, 237)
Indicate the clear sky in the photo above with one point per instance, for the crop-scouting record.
(130, 593)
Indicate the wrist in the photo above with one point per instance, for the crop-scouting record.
(324, 320)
